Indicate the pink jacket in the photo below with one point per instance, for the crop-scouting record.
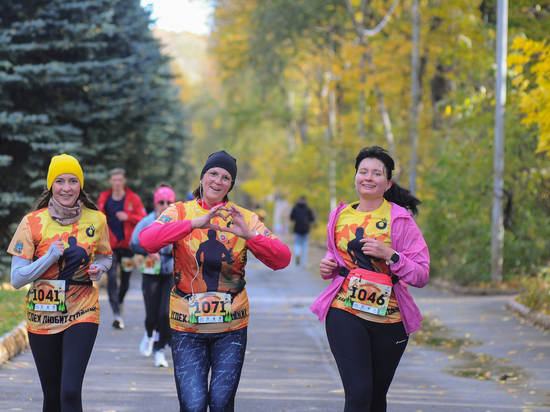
(412, 269)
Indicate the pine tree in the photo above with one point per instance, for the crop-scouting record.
(85, 78)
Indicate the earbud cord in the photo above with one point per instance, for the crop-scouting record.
(195, 210)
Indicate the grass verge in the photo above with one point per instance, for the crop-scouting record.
(12, 308)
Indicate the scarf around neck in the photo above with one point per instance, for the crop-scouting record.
(62, 214)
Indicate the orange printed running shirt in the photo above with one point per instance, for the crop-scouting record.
(209, 261)
(352, 226)
(87, 237)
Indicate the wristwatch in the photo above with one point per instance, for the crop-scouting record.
(394, 259)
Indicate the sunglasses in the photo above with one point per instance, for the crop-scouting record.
(164, 202)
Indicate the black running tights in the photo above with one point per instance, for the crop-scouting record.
(61, 360)
(367, 355)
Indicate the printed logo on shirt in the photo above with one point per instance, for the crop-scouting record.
(382, 224)
(165, 219)
(130, 206)
(18, 246)
(90, 232)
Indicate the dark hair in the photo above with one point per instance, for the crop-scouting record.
(396, 194)
(44, 199)
(117, 171)
(162, 184)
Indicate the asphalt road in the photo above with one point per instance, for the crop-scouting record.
(471, 355)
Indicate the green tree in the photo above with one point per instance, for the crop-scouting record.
(88, 79)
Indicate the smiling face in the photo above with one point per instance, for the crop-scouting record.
(66, 189)
(216, 182)
(371, 181)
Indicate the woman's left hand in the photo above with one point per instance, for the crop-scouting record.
(239, 227)
(94, 272)
(375, 248)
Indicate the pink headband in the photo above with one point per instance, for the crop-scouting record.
(164, 193)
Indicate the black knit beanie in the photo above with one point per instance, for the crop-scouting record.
(225, 161)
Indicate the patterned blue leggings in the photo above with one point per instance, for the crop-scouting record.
(194, 354)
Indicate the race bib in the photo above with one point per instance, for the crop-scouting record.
(369, 293)
(150, 266)
(127, 263)
(210, 307)
(47, 295)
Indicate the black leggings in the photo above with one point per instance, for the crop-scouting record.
(61, 360)
(117, 293)
(156, 295)
(367, 355)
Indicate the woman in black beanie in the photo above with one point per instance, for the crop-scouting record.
(209, 305)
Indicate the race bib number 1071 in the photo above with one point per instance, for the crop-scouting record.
(210, 307)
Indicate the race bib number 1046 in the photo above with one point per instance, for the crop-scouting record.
(368, 296)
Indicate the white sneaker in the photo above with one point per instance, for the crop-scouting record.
(160, 359)
(146, 345)
(118, 323)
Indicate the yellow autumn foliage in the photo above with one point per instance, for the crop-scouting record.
(530, 61)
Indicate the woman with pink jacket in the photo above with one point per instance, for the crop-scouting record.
(375, 250)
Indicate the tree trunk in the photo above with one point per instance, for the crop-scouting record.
(415, 97)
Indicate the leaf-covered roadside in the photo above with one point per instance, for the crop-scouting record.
(535, 292)
(12, 308)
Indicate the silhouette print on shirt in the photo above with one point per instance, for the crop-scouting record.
(210, 255)
(74, 258)
(357, 256)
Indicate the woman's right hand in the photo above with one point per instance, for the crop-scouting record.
(58, 244)
(327, 266)
(203, 222)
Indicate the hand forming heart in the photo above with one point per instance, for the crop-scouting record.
(238, 228)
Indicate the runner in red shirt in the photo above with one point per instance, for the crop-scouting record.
(124, 210)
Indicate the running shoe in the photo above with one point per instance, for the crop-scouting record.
(118, 323)
(146, 345)
(160, 359)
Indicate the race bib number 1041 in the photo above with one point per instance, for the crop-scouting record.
(47, 295)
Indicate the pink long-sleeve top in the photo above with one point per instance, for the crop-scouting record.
(413, 267)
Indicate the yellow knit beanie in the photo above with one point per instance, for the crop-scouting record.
(64, 164)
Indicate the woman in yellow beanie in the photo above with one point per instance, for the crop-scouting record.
(60, 247)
